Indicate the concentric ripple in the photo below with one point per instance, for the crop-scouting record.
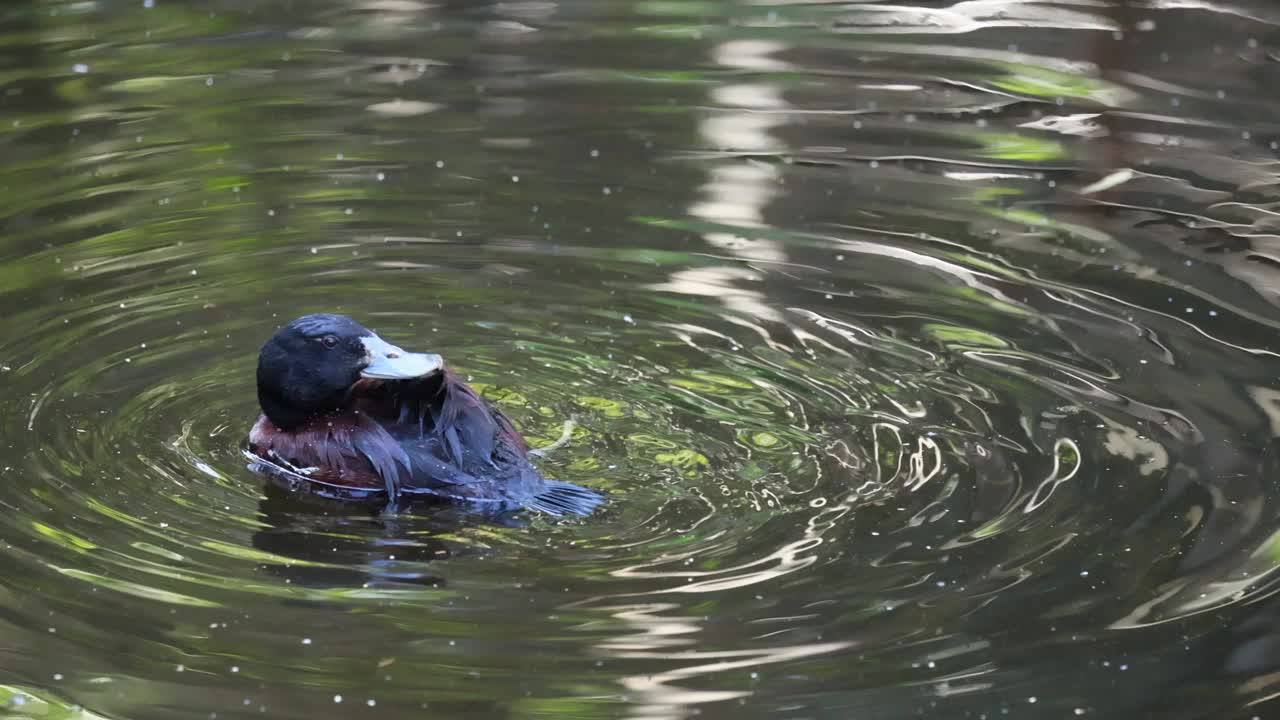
(926, 359)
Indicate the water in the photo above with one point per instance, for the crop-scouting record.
(927, 354)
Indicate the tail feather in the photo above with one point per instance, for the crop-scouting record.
(562, 498)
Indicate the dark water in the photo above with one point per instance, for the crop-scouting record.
(928, 355)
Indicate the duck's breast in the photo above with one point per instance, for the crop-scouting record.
(337, 451)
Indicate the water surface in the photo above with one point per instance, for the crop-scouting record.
(927, 354)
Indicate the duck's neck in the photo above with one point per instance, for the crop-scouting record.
(290, 418)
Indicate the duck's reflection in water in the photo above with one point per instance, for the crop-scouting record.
(323, 543)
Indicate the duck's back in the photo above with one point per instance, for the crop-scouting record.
(459, 446)
(444, 464)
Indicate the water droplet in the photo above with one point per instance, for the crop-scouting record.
(382, 176)
(80, 68)
(337, 698)
(208, 82)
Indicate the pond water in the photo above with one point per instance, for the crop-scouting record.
(927, 354)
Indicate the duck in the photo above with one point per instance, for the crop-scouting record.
(350, 414)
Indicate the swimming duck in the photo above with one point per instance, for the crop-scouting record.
(346, 410)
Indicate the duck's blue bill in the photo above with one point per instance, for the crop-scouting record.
(388, 362)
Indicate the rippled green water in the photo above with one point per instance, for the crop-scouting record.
(927, 354)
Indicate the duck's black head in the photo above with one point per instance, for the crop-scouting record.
(308, 367)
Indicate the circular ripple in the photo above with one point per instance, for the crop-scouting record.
(762, 445)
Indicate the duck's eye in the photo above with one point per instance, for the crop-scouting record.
(329, 341)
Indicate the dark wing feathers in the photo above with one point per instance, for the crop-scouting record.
(453, 444)
(384, 453)
(466, 421)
